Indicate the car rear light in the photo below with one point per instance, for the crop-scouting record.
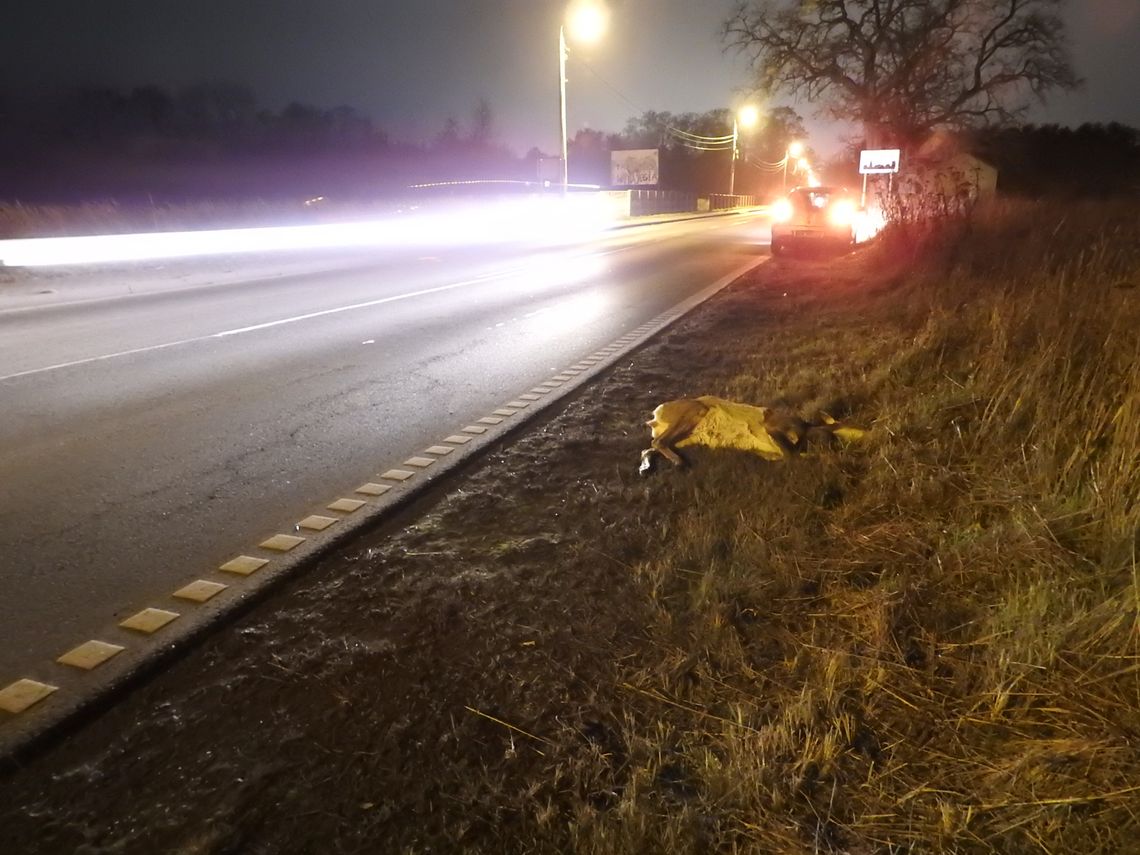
(843, 213)
(782, 210)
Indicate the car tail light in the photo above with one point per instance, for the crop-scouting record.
(843, 213)
(782, 210)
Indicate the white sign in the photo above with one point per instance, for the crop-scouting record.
(879, 162)
(633, 167)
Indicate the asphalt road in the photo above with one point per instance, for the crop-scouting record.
(155, 423)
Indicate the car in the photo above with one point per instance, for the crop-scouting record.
(824, 217)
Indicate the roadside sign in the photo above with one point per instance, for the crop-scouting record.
(879, 161)
(636, 167)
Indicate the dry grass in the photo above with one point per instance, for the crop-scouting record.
(931, 645)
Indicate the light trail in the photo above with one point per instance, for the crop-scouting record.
(550, 271)
(255, 327)
(540, 221)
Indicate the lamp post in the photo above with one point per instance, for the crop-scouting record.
(795, 149)
(587, 21)
(562, 105)
(746, 117)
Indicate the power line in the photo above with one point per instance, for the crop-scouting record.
(765, 166)
(699, 138)
(720, 143)
(696, 142)
(768, 164)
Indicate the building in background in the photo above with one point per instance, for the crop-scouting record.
(942, 166)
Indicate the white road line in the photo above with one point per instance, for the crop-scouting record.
(241, 330)
(309, 316)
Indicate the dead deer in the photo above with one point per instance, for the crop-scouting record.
(718, 423)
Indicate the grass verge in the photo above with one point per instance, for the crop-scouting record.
(930, 644)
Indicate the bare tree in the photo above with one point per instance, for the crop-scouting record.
(905, 67)
(482, 123)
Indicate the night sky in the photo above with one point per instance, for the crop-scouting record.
(409, 65)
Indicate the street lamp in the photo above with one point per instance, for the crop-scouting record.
(587, 21)
(795, 149)
(746, 117)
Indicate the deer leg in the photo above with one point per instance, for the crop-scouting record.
(822, 436)
(666, 450)
(671, 423)
(789, 432)
(648, 455)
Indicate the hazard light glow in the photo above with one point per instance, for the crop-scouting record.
(782, 210)
(843, 212)
(868, 224)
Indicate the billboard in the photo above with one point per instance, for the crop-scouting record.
(877, 162)
(636, 167)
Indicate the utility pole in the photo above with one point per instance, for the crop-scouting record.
(732, 168)
(562, 104)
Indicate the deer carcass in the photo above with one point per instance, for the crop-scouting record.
(718, 423)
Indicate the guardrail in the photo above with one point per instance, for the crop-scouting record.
(645, 202)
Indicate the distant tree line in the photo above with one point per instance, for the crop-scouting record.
(1093, 160)
(223, 115)
(214, 141)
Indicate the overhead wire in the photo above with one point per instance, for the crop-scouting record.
(698, 137)
(765, 166)
(696, 142)
(703, 143)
